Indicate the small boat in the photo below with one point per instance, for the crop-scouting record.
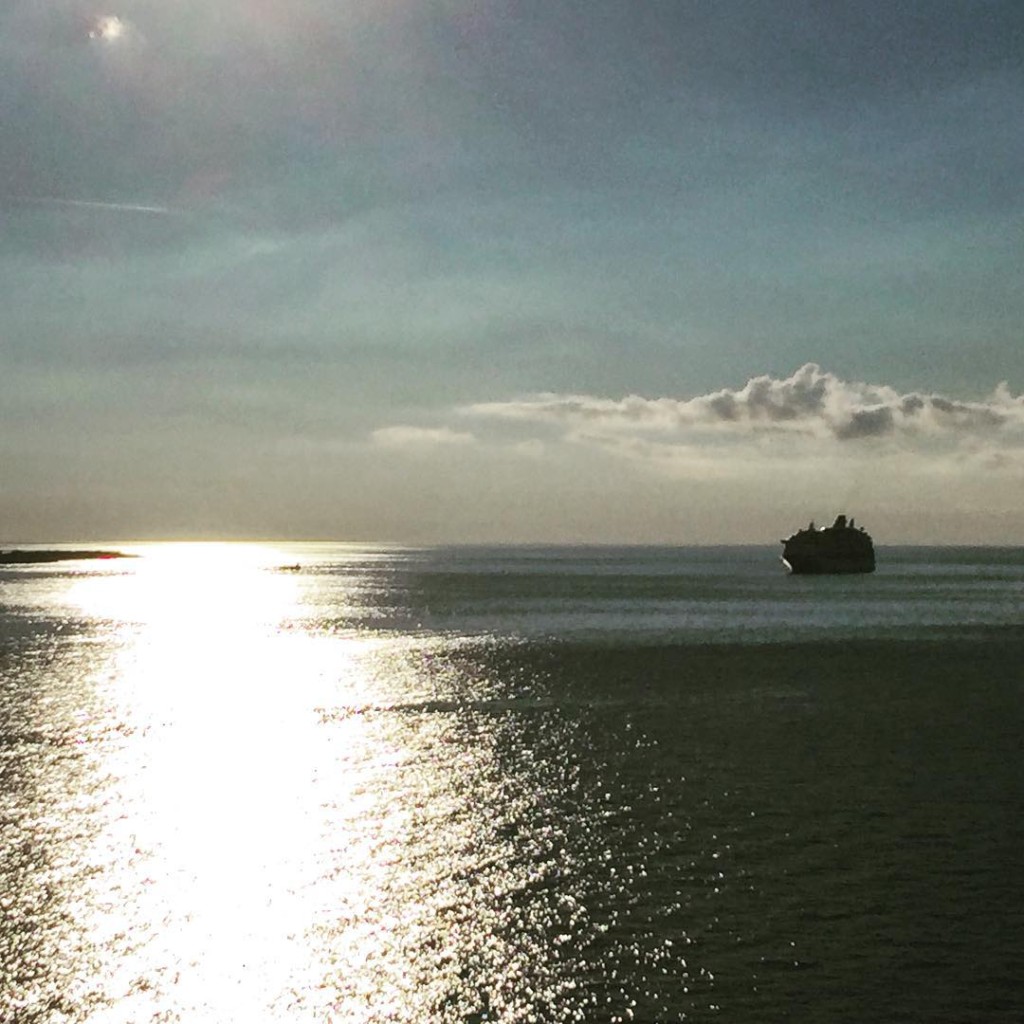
(842, 547)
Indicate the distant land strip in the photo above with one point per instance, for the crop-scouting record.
(16, 557)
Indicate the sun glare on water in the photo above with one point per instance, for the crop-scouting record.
(265, 793)
(225, 782)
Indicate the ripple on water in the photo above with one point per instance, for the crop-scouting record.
(247, 819)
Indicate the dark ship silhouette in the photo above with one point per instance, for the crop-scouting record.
(839, 548)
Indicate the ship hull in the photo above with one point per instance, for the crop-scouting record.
(821, 565)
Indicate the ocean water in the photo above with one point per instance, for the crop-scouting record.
(378, 784)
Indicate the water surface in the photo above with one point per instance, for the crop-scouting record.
(510, 784)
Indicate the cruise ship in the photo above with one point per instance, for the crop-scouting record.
(842, 547)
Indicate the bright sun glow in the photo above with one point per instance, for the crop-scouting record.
(108, 28)
(204, 587)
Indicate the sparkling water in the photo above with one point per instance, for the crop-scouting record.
(377, 784)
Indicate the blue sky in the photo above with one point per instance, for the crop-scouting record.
(446, 271)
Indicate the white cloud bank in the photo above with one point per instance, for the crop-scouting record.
(812, 403)
(812, 417)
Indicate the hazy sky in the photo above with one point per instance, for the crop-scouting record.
(462, 270)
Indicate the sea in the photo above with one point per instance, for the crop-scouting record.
(371, 783)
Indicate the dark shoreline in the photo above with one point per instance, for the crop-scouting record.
(42, 556)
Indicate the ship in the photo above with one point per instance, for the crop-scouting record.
(842, 547)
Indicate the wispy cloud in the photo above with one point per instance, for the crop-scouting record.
(418, 437)
(86, 204)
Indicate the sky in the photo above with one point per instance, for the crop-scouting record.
(574, 271)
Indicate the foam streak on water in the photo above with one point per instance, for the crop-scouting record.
(336, 783)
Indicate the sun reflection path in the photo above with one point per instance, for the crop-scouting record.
(302, 824)
(214, 815)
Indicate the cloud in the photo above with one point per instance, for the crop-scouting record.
(811, 403)
(756, 432)
(417, 437)
(85, 204)
(876, 422)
